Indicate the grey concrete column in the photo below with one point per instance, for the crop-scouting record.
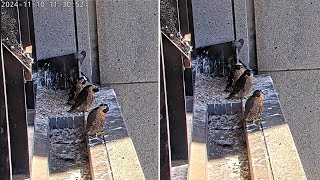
(288, 49)
(83, 35)
(128, 61)
(213, 22)
(241, 26)
(54, 28)
(221, 21)
(287, 34)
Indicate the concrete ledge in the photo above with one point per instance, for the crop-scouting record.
(99, 163)
(219, 164)
(271, 150)
(198, 148)
(113, 156)
(257, 153)
(270, 141)
(31, 116)
(224, 108)
(40, 163)
(66, 122)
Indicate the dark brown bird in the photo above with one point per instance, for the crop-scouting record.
(253, 107)
(248, 85)
(76, 89)
(242, 85)
(85, 99)
(234, 76)
(96, 120)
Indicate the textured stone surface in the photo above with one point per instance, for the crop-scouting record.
(197, 161)
(128, 41)
(99, 162)
(66, 122)
(139, 105)
(281, 150)
(299, 97)
(119, 154)
(123, 164)
(257, 153)
(54, 29)
(68, 154)
(227, 154)
(180, 172)
(213, 22)
(198, 152)
(242, 29)
(40, 165)
(287, 34)
(84, 36)
(113, 155)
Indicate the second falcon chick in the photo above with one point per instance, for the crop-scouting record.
(242, 85)
(96, 120)
(85, 98)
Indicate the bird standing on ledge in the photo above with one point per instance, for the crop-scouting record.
(85, 99)
(96, 120)
(253, 107)
(242, 85)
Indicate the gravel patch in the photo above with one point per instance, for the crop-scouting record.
(226, 143)
(68, 160)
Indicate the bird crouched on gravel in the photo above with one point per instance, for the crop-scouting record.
(85, 99)
(242, 85)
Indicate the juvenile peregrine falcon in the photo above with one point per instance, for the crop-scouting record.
(242, 85)
(85, 99)
(96, 119)
(234, 76)
(75, 89)
(253, 107)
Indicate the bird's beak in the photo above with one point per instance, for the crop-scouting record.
(106, 110)
(264, 92)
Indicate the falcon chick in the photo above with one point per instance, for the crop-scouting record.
(85, 99)
(253, 107)
(96, 120)
(234, 76)
(75, 89)
(242, 85)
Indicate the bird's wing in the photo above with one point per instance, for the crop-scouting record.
(239, 84)
(91, 117)
(82, 97)
(249, 105)
(261, 105)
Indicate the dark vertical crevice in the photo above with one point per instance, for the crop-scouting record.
(93, 26)
(253, 64)
(5, 155)
(233, 20)
(75, 24)
(191, 28)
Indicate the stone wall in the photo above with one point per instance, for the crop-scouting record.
(288, 49)
(214, 24)
(121, 41)
(128, 56)
(285, 36)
